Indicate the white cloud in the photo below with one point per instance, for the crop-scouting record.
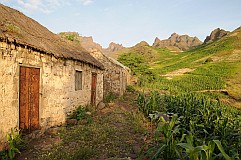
(87, 2)
(45, 6)
(4, 1)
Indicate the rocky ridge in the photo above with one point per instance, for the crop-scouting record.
(215, 35)
(86, 42)
(177, 42)
(89, 44)
(113, 47)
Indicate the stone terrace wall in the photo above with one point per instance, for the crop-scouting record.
(57, 86)
(116, 76)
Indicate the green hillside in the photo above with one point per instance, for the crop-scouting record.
(212, 69)
(199, 89)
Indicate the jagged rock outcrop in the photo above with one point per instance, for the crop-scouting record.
(177, 42)
(86, 42)
(215, 35)
(89, 44)
(113, 47)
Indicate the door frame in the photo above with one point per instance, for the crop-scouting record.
(40, 92)
(93, 74)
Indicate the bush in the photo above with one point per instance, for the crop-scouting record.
(110, 97)
(209, 60)
(130, 89)
(82, 113)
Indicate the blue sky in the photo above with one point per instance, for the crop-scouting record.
(130, 21)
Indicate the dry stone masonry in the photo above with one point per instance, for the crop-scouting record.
(116, 76)
(58, 96)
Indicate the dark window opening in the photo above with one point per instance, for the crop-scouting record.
(78, 80)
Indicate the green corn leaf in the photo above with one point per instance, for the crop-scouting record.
(198, 149)
(186, 146)
(203, 155)
(220, 147)
(158, 152)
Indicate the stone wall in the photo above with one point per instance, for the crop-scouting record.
(57, 86)
(116, 75)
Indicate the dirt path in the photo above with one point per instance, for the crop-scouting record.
(115, 132)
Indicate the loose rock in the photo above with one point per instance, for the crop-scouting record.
(72, 121)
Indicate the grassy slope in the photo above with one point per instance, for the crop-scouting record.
(222, 73)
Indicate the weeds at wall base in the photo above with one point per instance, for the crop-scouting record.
(110, 97)
(14, 144)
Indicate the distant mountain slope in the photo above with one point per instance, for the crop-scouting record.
(215, 35)
(212, 69)
(142, 48)
(177, 42)
(226, 49)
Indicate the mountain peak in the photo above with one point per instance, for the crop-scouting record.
(174, 34)
(114, 47)
(142, 43)
(215, 35)
(157, 39)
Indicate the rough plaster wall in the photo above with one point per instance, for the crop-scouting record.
(115, 76)
(8, 91)
(58, 90)
(57, 86)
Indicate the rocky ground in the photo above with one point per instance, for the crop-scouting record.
(116, 131)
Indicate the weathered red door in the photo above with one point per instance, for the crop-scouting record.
(93, 88)
(29, 98)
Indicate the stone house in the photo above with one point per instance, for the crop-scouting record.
(116, 75)
(43, 77)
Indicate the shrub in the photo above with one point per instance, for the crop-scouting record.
(209, 60)
(130, 89)
(110, 97)
(82, 113)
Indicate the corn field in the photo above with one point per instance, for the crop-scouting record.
(198, 121)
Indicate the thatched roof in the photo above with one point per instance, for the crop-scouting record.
(18, 28)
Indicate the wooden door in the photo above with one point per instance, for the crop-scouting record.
(93, 89)
(29, 98)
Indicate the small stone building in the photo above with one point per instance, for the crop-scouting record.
(43, 77)
(116, 75)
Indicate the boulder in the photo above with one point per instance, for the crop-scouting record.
(101, 105)
(52, 131)
(72, 121)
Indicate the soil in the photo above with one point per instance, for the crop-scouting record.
(114, 132)
(178, 72)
